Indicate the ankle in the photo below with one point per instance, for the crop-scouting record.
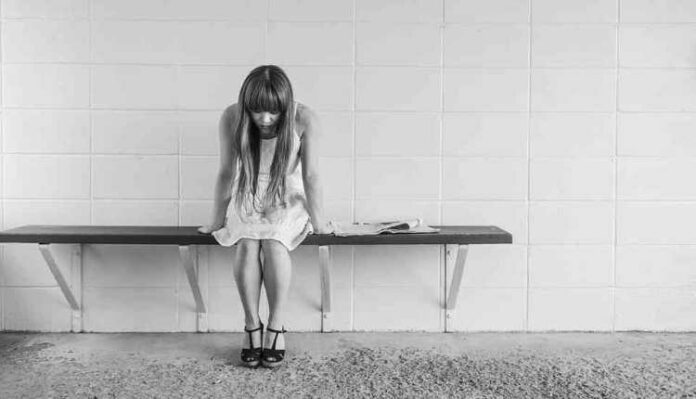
(275, 324)
(251, 324)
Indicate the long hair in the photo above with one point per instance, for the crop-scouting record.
(266, 88)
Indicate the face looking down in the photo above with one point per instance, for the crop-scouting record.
(265, 120)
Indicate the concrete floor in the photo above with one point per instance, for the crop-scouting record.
(476, 365)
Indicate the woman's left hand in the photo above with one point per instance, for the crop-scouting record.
(324, 228)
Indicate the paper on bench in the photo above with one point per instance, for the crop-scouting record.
(407, 226)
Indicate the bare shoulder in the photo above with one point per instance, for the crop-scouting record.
(228, 119)
(305, 119)
(231, 112)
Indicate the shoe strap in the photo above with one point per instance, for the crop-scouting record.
(256, 329)
(251, 340)
(281, 331)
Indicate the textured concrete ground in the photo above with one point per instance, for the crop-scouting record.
(383, 365)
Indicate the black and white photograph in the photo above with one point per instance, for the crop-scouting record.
(347, 199)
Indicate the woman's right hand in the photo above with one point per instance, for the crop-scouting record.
(207, 229)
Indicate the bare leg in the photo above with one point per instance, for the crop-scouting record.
(277, 273)
(248, 275)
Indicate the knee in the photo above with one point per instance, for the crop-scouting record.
(271, 247)
(248, 248)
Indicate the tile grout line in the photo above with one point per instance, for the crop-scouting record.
(442, 271)
(169, 63)
(615, 177)
(353, 161)
(91, 164)
(529, 162)
(456, 201)
(91, 117)
(374, 111)
(177, 291)
(2, 164)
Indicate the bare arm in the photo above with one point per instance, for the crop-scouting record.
(310, 168)
(226, 174)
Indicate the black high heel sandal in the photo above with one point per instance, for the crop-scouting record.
(251, 356)
(273, 357)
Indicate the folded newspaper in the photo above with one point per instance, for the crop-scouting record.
(343, 229)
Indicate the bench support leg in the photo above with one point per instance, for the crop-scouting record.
(325, 276)
(187, 261)
(53, 266)
(76, 277)
(453, 291)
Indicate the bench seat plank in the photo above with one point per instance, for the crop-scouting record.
(189, 235)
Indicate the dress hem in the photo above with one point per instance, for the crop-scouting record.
(226, 239)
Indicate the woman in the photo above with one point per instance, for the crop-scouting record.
(269, 170)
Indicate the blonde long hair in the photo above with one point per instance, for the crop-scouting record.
(266, 88)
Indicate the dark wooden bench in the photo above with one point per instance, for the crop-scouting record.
(186, 236)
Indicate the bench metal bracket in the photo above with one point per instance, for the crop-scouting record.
(189, 263)
(325, 277)
(453, 292)
(55, 270)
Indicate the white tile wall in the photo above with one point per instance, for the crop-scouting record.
(486, 46)
(490, 309)
(655, 222)
(46, 85)
(569, 124)
(310, 43)
(384, 134)
(153, 177)
(35, 309)
(396, 178)
(664, 90)
(208, 87)
(570, 266)
(590, 90)
(46, 131)
(180, 9)
(380, 43)
(668, 135)
(383, 88)
(573, 135)
(571, 179)
(133, 87)
(571, 309)
(53, 176)
(505, 178)
(396, 10)
(573, 46)
(310, 10)
(486, 90)
(657, 45)
(658, 11)
(655, 266)
(134, 132)
(655, 309)
(37, 41)
(135, 213)
(485, 134)
(494, 11)
(571, 11)
(45, 9)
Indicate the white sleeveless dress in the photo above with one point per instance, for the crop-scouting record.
(289, 225)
